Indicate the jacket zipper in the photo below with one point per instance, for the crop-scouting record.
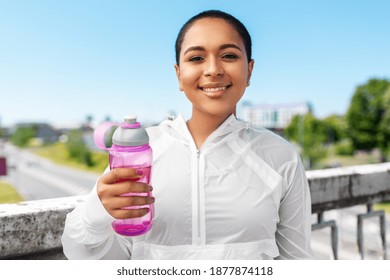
(197, 201)
(198, 196)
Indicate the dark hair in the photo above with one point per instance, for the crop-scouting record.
(235, 23)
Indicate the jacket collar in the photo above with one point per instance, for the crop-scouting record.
(179, 125)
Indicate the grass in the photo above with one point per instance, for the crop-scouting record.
(383, 206)
(360, 158)
(8, 194)
(57, 153)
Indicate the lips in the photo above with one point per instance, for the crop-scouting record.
(214, 90)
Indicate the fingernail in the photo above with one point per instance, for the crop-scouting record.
(139, 172)
(151, 188)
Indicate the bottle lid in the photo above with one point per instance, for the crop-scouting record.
(130, 133)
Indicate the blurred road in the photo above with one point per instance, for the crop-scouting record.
(38, 178)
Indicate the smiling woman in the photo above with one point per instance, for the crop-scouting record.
(223, 189)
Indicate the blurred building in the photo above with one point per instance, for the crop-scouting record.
(273, 116)
(45, 133)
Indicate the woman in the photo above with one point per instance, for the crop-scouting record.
(223, 189)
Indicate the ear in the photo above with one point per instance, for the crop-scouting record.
(177, 69)
(251, 64)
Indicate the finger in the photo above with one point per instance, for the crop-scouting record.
(129, 187)
(129, 214)
(119, 174)
(107, 192)
(129, 201)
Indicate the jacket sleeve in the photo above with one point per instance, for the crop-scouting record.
(293, 235)
(88, 233)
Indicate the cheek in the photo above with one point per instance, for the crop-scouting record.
(239, 74)
(189, 77)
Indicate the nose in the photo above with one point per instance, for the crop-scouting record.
(213, 68)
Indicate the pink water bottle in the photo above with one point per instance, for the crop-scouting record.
(130, 149)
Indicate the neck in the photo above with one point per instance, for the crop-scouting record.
(201, 126)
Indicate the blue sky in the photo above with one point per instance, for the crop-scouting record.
(63, 60)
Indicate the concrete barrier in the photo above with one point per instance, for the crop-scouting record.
(33, 229)
(348, 186)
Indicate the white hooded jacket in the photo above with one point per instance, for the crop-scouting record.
(242, 195)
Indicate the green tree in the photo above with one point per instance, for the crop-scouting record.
(335, 128)
(22, 136)
(77, 149)
(311, 134)
(365, 113)
(384, 126)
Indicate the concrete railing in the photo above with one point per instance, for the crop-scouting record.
(33, 229)
(347, 186)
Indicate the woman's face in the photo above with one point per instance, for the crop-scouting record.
(214, 69)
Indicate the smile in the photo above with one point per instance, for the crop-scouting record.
(213, 89)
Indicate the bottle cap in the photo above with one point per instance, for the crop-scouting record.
(130, 133)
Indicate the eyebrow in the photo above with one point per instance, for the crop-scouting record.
(222, 47)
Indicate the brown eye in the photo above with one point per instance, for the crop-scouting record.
(229, 56)
(196, 58)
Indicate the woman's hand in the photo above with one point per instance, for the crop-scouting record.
(119, 181)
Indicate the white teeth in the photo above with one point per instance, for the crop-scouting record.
(214, 89)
